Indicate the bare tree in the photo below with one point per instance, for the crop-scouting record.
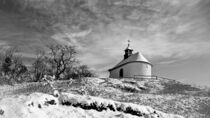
(60, 62)
(60, 58)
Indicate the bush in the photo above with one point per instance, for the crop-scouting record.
(176, 87)
(39, 67)
(12, 66)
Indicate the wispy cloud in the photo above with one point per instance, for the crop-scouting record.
(167, 62)
(173, 29)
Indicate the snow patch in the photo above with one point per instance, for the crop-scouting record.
(99, 104)
(39, 105)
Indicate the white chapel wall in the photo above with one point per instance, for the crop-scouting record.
(132, 69)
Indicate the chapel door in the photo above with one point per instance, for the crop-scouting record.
(121, 73)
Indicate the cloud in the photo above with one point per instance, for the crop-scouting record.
(167, 62)
(172, 29)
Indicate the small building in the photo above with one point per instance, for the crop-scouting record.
(133, 65)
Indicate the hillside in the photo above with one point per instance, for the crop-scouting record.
(165, 95)
(38, 105)
(31, 25)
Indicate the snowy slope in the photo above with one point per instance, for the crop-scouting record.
(164, 95)
(39, 105)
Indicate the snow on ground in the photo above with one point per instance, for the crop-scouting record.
(163, 94)
(39, 105)
(100, 104)
(146, 92)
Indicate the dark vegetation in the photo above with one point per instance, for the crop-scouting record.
(103, 106)
(204, 108)
(177, 88)
(60, 62)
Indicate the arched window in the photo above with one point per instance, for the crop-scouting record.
(121, 73)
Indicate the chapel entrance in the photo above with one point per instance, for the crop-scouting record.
(121, 73)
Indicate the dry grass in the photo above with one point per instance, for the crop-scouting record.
(188, 105)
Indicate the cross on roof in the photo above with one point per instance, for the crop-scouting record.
(129, 43)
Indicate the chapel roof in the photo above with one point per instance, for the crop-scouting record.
(137, 57)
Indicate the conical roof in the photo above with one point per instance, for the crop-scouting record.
(137, 57)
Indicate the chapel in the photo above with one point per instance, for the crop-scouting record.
(132, 65)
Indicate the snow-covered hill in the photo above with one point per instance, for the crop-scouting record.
(165, 95)
(39, 105)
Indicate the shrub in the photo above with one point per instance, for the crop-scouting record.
(12, 66)
(39, 66)
(176, 87)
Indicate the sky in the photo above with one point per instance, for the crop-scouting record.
(172, 34)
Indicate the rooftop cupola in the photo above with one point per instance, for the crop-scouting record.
(128, 51)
